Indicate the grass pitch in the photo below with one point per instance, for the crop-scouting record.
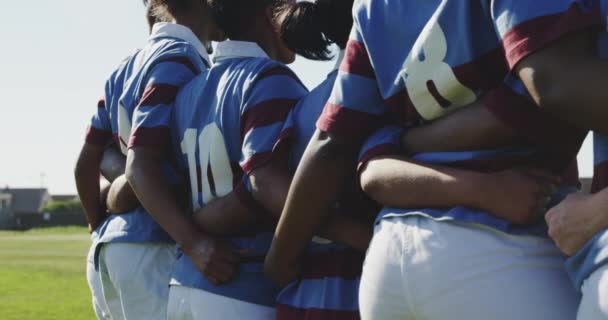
(42, 274)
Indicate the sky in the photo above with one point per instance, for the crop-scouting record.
(54, 62)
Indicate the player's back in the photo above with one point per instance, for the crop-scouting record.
(227, 123)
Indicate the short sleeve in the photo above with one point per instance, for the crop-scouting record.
(355, 108)
(99, 130)
(152, 116)
(383, 142)
(265, 115)
(526, 26)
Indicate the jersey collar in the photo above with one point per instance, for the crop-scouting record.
(174, 30)
(238, 49)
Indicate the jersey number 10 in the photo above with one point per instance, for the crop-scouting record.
(213, 158)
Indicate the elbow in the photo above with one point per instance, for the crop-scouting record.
(371, 184)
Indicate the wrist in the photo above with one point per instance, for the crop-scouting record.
(598, 205)
(480, 191)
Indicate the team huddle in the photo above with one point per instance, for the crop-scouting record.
(431, 175)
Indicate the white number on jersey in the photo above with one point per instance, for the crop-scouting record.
(124, 128)
(212, 155)
(433, 71)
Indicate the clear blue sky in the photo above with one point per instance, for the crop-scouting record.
(54, 61)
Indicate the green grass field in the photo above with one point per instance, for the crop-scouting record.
(42, 274)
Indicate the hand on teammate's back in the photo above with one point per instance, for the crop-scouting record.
(575, 221)
(519, 196)
(215, 258)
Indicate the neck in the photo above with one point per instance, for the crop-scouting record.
(199, 28)
(262, 38)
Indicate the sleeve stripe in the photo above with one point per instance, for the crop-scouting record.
(344, 123)
(142, 136)
(279, 71)
(259, 159)
(600, 177)
(535, 34)
(101, 103)
(185, 62)
(266, 113)
(357, 60)
(97, 137)
(159, 94)
(385, 149)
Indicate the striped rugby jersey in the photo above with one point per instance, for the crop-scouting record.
(417, 61)
(140, 92)
(594, 253)
(329, 284)
(228, 121)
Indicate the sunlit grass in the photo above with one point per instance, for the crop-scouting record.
(42, 274)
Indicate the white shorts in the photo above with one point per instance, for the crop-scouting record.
(135, 279)
(99, 305)
(419, 268)
(594, 305)
(192, 304)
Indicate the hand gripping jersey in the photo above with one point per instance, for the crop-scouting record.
(418, 61)
(329, 285)
(172, 57)
(387, 141)
(594, 253)
(227, 123)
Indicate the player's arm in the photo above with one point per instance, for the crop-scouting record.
(270, 185)
(471, 128)
(86, 172)
(568, 79)
(120, 196)
(552, 48)
(395, 180)
(322, 169)
(148, 147)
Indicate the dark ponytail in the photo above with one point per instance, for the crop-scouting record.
(308, 28)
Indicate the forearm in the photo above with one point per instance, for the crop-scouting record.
(395, 181)
(225, 216)
(121, 197)
(145, 175)
(348, 231)
(600, 200)
(86, 175)
(315, 187)
(471, 128)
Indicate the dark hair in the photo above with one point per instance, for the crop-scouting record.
(172, 7)
(308, 28)
(235, 17)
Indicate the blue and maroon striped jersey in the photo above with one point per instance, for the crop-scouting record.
(172, 57)
(415, 61)
(228, 122)
(419, 67)
(329, 284)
